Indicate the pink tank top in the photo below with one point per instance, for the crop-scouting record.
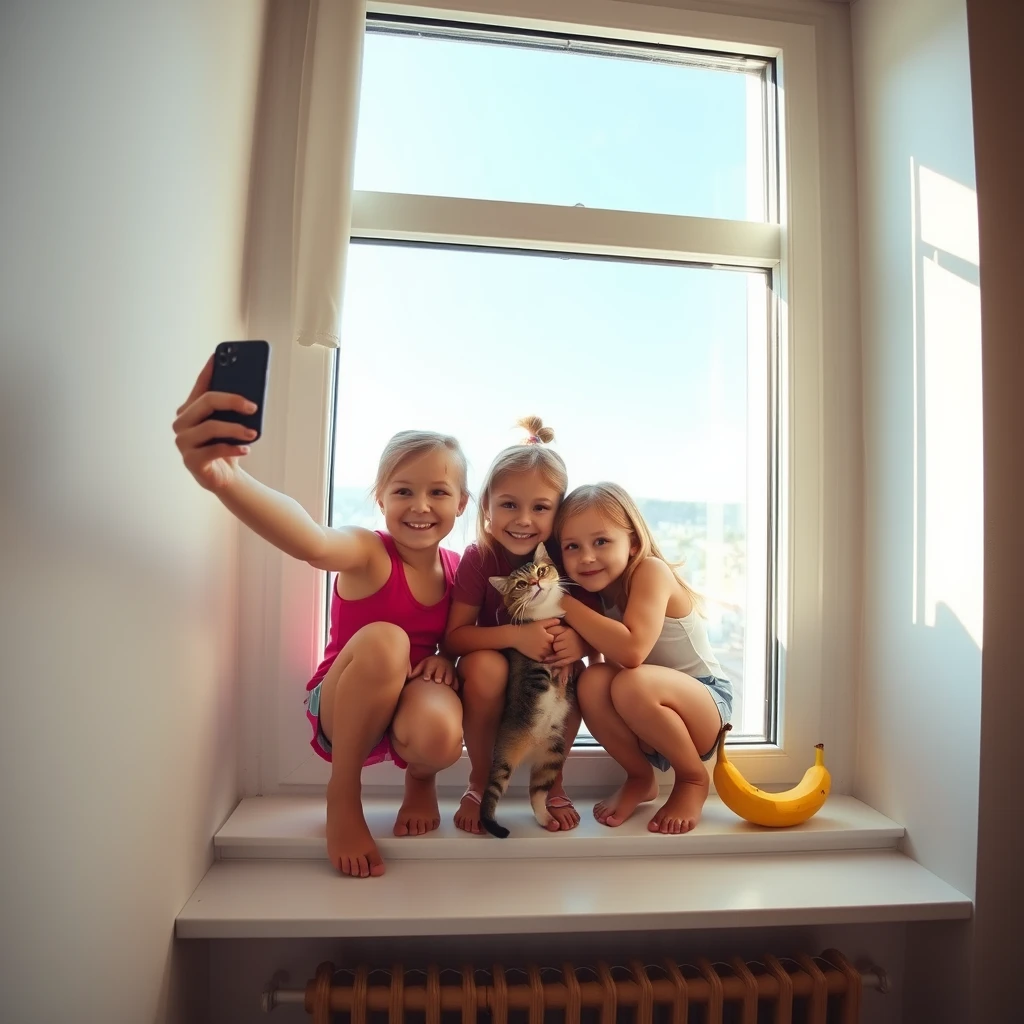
(393, 603)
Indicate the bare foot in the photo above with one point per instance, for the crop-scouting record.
(350, 847)
(681, 811)
(565, 816)
(467, 817)
(637, 789)
(418, 813)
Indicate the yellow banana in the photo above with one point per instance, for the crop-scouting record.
(777, 810)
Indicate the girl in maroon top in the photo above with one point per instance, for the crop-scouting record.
(517, 506)
(382, 691)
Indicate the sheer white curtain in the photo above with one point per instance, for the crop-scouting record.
(324, 166)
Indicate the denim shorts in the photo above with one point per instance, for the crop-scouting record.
(721, 690)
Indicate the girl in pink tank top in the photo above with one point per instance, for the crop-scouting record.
(384, 689)
(394, 603)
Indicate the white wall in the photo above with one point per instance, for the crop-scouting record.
(125, 138)
(920, 690)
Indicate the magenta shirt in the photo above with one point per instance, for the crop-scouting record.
(393, 603)
(473, 587)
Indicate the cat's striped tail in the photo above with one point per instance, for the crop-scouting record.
(501, 773)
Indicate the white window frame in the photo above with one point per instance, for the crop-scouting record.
(813, 604)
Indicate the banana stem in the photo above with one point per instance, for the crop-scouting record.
(721, 742)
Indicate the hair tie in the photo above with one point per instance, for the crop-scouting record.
(534, 439)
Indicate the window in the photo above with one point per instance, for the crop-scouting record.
(651, 375)
(599, 226)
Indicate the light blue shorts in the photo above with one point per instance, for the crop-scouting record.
(721, 690)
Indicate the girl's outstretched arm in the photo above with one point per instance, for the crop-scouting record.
(630, 641)
(288, 526)
(274, 516)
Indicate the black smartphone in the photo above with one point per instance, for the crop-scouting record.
(240, 367)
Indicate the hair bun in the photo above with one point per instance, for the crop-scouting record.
(538, 433)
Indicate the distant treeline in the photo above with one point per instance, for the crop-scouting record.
(349, 500)
(692, 513)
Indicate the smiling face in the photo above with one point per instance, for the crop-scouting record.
(520, 511)
(422, 500)
(595, 551)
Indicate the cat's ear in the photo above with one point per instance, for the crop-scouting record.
(500, 583)
(541, 554)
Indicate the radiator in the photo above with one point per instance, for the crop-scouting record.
(802, 989)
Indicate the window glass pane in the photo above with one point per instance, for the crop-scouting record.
(652, 376)
(481, 120)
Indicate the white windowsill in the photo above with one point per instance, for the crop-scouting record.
(261, 899)
(272, 879)
(292, 827)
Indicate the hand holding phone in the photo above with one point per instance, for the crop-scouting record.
(223, 414)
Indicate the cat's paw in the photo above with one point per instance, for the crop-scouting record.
(540, 811)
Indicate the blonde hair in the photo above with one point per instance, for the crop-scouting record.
(410, 444)
(527, 456)
(615, 505)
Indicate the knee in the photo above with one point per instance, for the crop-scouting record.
(484, 675)
(436, 741)
(442, 744)
(626, 690)
(384, 648)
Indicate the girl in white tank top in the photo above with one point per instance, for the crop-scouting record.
(659, 699)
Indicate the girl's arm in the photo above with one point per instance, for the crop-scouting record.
(463, 635)
(630, 641)
(288, 526)
(274, 516)
(568, 647)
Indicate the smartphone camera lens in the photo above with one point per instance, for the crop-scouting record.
(222, 359)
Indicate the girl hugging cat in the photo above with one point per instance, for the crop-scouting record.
(517, 504)
(660, 698)
(382, 691)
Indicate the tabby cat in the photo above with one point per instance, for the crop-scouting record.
(537, 698)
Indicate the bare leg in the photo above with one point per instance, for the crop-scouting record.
(612, 732)
(566, 816)
(426, 732)
(357, 701)
(484, 676)
(677, 716)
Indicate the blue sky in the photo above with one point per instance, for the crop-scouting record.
(641, 369)
(442, 117)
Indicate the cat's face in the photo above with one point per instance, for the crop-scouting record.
(532, 590)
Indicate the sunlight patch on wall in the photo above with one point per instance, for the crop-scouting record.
(954, 499)
(949, 496)
(949, 215)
